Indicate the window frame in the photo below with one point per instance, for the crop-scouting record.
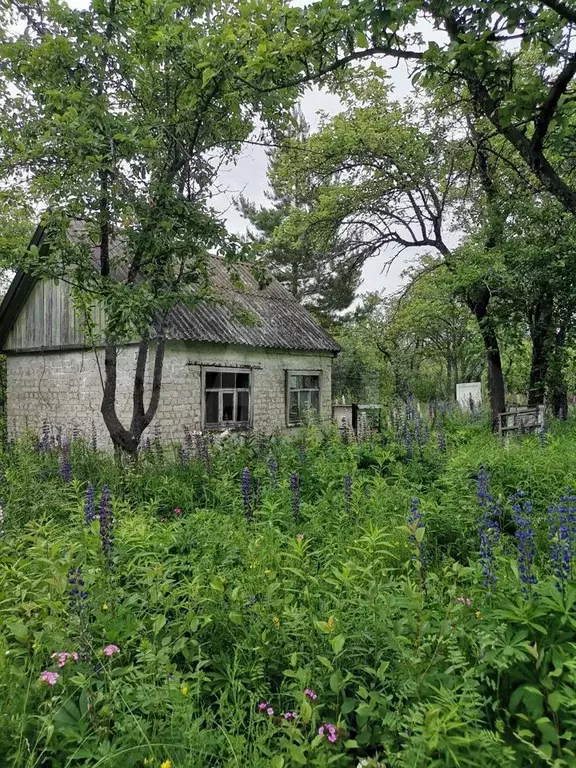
(223, 425)
(301, 372)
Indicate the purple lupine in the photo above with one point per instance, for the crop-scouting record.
(75, 434)
(89, 505)
(188, 438)
(77, 593)
(247, 493)
(489, 530)
(415, 523)
(45, 440)
(295, 488)
(568, 502)
(522, 509)
(560, 550)
(348, 492)
(65, 465)
(418, 430)
(441, 440)
(273, 471)
(106, 524)
(408, 442)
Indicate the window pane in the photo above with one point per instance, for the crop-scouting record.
(228, 380)
(293, 412)
(315, 401)
(295, 382)
(211, 407)
(242, 406)
(304, 401)
(213, 380)
(310, 382)
(242, 380)
(227, 406)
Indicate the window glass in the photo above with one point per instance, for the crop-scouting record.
(213, 380)
(303, 396)
(315, 400)
(294, 411)
(294, 382)
(211, 407)
(228, 380)
(242, 380)
(227, 406)
(310, 382)
(242, 401)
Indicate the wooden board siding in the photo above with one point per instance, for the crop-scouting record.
(48, 320)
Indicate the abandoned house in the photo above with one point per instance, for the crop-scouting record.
(219, 373)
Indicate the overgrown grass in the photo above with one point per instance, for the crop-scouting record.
(225, 605)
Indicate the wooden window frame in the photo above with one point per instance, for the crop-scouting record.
(300, 372)
(222, 425)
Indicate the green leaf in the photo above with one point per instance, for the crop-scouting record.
(337, 643)
(159, 622)
(207, 75)
(19, 630)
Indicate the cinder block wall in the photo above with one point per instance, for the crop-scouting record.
(64, 388)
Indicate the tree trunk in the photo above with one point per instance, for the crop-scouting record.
(557, 389)
(479, 308)
(538, 370)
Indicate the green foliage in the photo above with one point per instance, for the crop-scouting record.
(213, 613)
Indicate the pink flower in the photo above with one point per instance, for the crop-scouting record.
(464, 601)
(51, 678)
(262, 706)
(270, 711)
(290, 715)
(177, 511)
(312, 695)
(64, 656)
(328, 730)
(300, 537)
(111, 649)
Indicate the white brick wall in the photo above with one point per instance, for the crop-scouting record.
(65, 388)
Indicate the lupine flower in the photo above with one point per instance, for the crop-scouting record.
(50, 678)
(408, 443)
(78, 595)
(418, 430)
(290, 715)
(64, 656)
(329, 731)
(569, 502)
(348, 491)
(560, 551)
(106, 523)
(111, 649)
(310, 694)
(273, 471)
(489, 530)
(94, 438)
(295, 487)
(45, 440)
(183, 455)
(187, 438)
(89, 505)
(65, 465)
(441, 440)
(522, 508)
(247, 492)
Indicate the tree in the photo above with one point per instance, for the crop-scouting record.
(119, 117)
(314, 264)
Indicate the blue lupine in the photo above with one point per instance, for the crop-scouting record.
(106, 524)
(89, 505)
(348, 492)
(569, 504)
(415, 522)
(273, 471)
(295, 488)
(441, 440)
(522, 509)
(77, 593)
(408, 442)
(65, 465)
(247, 492)
(489, 530)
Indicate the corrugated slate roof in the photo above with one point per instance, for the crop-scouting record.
(246, 313)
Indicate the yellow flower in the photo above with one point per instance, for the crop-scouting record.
(478, 615)
(166, 764)
(105, 607)
(184, 690)
(276, 622)
(267, 572)
(148, 761)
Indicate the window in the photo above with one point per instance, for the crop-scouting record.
(226, 398)
(302, 396)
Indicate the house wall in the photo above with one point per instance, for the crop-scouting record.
(64, 388)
